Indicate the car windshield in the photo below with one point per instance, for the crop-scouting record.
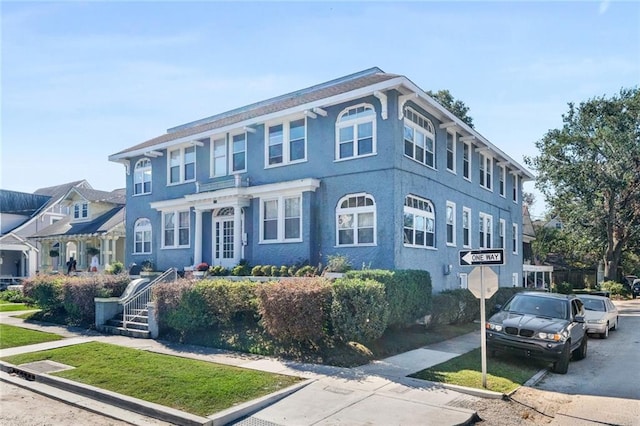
(594, 305)
(538, 306)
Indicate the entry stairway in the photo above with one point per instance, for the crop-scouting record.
(133, 317)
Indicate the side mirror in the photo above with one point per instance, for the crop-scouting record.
(579, 319)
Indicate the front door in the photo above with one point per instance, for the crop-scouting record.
(223, 253)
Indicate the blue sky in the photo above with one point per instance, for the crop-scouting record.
(83, 80)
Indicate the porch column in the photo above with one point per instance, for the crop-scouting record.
(197, 245)
(237, 233)
(114, 249)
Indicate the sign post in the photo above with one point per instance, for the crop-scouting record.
(483, 283)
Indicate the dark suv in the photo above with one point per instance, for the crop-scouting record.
(546, 326)
(635, 288)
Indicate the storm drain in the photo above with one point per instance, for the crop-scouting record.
(252, 421)
(28, 371)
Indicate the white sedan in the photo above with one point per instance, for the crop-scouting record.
(600, 313)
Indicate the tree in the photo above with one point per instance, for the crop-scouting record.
(457, 107)
(589, 173)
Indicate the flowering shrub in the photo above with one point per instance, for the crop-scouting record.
(204, 266)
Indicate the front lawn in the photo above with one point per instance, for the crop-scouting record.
(504, 373)
(10, 307)
(11, 336)
(193, 386)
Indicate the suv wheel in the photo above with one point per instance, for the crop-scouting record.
(581, 352)
(561, 366)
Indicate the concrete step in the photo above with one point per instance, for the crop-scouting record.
(129, 331)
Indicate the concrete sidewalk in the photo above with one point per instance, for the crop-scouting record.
(375, 394)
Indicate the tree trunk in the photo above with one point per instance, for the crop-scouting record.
(612, 260)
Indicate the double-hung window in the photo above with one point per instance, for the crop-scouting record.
(356, 132)
(503, 231)
(451, 151)
(419, 138)
(466, 227)
(81, 210)
(356, 220)
(419, 222)
(176, 229)
(281, 219)
(142, 177)
(486, 225)
(219, 161)
(466, 160)
(503, 180)
(286, 143)
(182, 165)
(515, 188)
(486, 166)
(451, 223)
(142, 236)
(514, 238)
(239, 152)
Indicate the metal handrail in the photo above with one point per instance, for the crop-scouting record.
(137, 303)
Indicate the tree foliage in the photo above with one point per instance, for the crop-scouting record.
(589, 173)
(456, 106)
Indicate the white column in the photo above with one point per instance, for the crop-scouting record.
(197, 245)
(114, 249)
(237, 233)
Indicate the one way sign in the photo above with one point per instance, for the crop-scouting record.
(482, 257)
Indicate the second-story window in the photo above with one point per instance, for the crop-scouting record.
(451, 152)
(142, 177)
(219, 161)
(356, 132)
(182, 165)
(286, 143)
(419, 138)
(239, 147)
(81, 210)
(466, 160)
(515, 188)
(486, 166)
(503, 177)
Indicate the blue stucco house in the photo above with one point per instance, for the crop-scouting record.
(367, 166)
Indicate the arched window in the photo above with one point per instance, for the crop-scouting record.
(419, 138)
(142, 236)
(419, 222)
(356, 132)
(356, 220)
(142, 177)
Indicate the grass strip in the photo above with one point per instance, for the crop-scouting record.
(504, 373)
(12, 336)
(197, 387)
(11, 307)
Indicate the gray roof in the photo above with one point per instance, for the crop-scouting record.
(100, 225)
(21, 203)
(324, 90)
(116, 197)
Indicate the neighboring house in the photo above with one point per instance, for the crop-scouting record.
(367, 166)
(22, 215)
(95, 221)
(528, 236)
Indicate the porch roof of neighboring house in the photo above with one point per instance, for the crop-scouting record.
(12, 241)
(21, 203)
(372, 81)
(65, 228)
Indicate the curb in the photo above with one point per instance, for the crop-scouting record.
(24, 377)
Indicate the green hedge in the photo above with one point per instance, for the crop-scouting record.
(359, 310)
(407, 291)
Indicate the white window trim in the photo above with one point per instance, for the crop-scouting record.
(135, 225)
(355, 211)
(487, 225)
(469, 222)
(286, 142)
(281, 219)
(354, 123)
(487, 171)
(140, 171)
(80, 205)
(425, 214)
(515, 241)
(469, 159)
(453, 206)
(176, 229)
(181, 157)
(515, 189)
(502, 181)
(428, 133)
(230, 151)
(503, 233)
(454, 136)
(213, 173)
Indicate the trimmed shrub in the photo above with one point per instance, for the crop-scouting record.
(45, 291)
(218, 271)
(307, 271)
(338, 263)
(168, 296)
(241, 270)
(226, 301)
(284, 271)
(115, 268)
(257, 271)
(615, 288)
(408, 292)
(562, 288)
(295, 310)
(359, 310)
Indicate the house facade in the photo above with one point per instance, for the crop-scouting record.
(367, 166)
